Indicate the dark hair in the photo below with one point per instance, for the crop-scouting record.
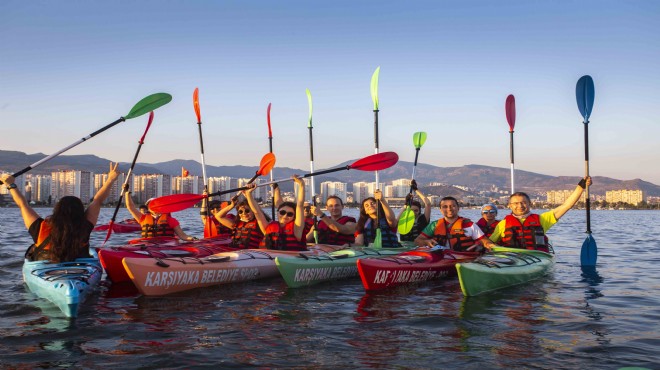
(143, 206)
(335, 197)
(69, 235)
(364, 216)
(215, 204)
(450, 198)
(287, 204)
(520, 194)
(416, 203)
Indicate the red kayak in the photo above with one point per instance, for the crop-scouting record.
(111, 257)
(421, 264)
(126, 226)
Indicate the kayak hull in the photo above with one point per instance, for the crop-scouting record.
(300, 271)
(502, 268)
(65, 284)
(126, 226)
(111, 257)
(410, 267)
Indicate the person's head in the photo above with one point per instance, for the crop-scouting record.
(489, 212)
(368, 208)
(144, 209)
(416, 207)
(153, 213)
(519, 203)
(215, 206)
(244, 212)
(334, 205)
(286, 212)
(307, 209)
(67, 230)
(449, 208)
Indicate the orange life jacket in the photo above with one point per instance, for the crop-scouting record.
(152, 227)
(216, 228)
(526, 235)
(455, 234)
(247, 235)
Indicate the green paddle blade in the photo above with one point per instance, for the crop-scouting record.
(378, 241)
(148, 104)
(309, 100)
(419, 138)
(406, 221)
(374, 87)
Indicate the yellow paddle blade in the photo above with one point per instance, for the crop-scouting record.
(374, 87)
(419, 138)
(406, 221)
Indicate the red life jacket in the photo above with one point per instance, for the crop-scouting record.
(40, 250)
(152, 228)
(247, 235)
(528, 235)
(283, 238)
(216, 228)
(327, 236)
(458, 241)
(486, 227)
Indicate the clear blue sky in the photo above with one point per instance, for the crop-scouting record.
(68, 68)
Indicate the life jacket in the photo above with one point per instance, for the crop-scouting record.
(388, 236)
(458, 241)
(528, 235)
(152, 227)
(327, 236)
(417, 229)
(487, 228)
(283, 238)
(217, 228)
(40, 250)
(247, 235)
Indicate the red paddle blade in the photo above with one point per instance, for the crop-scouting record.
(196, 105)
(376, 162)
(107, 236)
(510, 108)
(270, 132)
(267, 164)
(174, 202)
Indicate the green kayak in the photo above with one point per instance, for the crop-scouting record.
(501, 268)
(303, 271)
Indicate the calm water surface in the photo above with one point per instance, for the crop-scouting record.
(572, 319)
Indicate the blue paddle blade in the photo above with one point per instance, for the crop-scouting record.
(584, 93)
(589, 252)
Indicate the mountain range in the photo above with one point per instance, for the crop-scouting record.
(474, 177)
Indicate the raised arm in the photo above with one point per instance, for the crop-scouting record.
(94, 208)
(132, 208)
(28, 214)
(258, 212)
(389, 214)
(570, 202)
(277, 195)
(299, 223)
(220, 216)
(204, 209)
(427, 205)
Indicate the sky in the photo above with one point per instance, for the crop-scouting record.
(68, 68)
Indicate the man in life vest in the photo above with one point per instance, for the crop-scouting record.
(334, 229)
(156, 224)
(488, 219)
(212, 225)
(453, 231)
(526, 230)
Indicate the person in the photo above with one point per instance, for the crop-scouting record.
(144, 209)
(287, 232)
(245, 231)
(421, 219)
(526, 230)
(64, 235)
(334, 229)
(156, 224)
(375, 210)
(453, 231)
(207, 213)
(488, 219)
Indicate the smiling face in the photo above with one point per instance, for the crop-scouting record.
(369, 205)
(449, 209)
(489, 213)
(519, 205)
(245, 214)
(286, 214)
(334, 207)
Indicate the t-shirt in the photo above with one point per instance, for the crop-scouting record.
(36, 226)
(547, 220)
(470, 228)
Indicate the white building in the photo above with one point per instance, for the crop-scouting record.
(329, 188)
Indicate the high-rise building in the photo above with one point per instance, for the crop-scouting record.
(560, 196)
(146, 187)
(41, 188)
(187, 185)
(99, 180)
(329, 188)
(400, 188)
(72, 182)
(626, 196)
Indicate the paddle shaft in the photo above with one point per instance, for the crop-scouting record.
(201, 147)
(587, 201)
(413, 174)
(48, 158)
(272, 194)
(376, 140)
(513, 187)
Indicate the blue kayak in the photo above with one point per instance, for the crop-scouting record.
(64, 284)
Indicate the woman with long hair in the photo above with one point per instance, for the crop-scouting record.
(64, 235)
(376, 214)
(245, 230)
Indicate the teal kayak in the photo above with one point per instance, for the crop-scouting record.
(65, 284)
(303, 270)
(502, 267)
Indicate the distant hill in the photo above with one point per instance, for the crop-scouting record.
(473, 176)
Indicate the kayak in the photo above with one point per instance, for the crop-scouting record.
(300, 271)
(422, 264)
(65, 284)
(111, 257)
(160, 276)
(501, 268)
(126, 226)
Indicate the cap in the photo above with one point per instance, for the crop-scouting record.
(489, 205)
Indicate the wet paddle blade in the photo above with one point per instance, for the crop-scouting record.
(374, 87)
(148, 104)
(196, 105)
(589, 252)
(406, 221)
(584, 93)
(174, 202)
(419, 138)
(267, 164)
(510, 108)
(376, 162)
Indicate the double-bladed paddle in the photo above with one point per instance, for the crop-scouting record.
(208, 225)
(311, 164)
(146, 105)
(378, 240)
(510, 108)
(178, 202)
(585, 93)
(124, 187)
(270, 149)
(407, 219)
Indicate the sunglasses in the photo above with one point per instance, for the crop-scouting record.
(285, 213)
(489, 211)
(242, 211)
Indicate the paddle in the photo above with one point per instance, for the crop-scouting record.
(378, 240)
(510, 108)
(208, 227)
(311, 163)
(124, 187)
(407, 219)
(146, 105)
(270, 147)
(178, 202)
(584, 92)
